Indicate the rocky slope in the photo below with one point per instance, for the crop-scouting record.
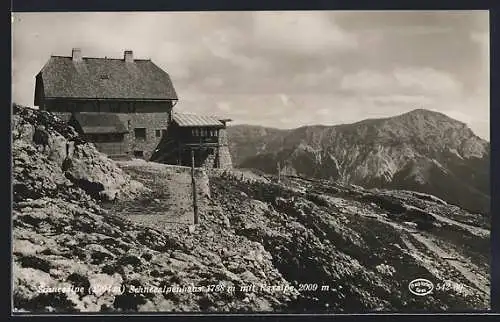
(70, 254)
(421, 150)
(365, 245)
(61, 161)
(303, 245)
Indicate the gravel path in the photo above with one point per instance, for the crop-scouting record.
(171, 203)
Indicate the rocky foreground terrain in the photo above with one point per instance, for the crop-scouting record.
(298, 246)
(420, 150)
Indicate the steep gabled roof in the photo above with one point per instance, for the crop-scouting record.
(193, 120)
(104, 78)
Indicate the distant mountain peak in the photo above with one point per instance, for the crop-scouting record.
(430, 114)
(424, 111)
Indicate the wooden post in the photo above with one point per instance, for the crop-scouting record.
(279, 172)
(193, 182)
(217, 157)
(178, 154)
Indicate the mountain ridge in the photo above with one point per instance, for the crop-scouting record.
(420, 150)
(318, 125)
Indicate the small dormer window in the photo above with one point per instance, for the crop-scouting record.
(104, 76)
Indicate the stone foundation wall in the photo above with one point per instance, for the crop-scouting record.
(152, 122)
(160, 121)
(225, 161)
(209, 162)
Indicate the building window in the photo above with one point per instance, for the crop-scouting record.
(158, 133)
(123, 106)
(140, 133)
(114, 107)
(103, 107)
(139, 154)
(59, 106)
(95, 107)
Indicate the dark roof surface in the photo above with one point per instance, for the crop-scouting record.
(193, 120)
(100, 123)
(104, 78)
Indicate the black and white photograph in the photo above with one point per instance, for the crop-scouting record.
(251, 162)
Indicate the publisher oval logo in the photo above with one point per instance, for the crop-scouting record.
(420, 287)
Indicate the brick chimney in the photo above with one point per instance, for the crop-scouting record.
(128, 56)
(76, 54)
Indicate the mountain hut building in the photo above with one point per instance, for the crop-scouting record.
(125, 107)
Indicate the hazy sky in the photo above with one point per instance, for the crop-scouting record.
(284, 69)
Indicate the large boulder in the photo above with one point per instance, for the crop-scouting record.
(101, 175)
(68, 157)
